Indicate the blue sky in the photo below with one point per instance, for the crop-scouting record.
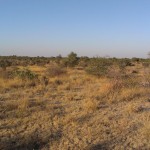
(118, 28)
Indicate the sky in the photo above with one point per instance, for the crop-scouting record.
(117, 28)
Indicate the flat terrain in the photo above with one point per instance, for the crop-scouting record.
(76, 111)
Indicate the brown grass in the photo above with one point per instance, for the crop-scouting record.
(90, 105)
(75, 111)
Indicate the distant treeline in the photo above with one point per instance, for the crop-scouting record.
(72, 60)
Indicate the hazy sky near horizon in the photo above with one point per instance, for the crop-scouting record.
(118, 28)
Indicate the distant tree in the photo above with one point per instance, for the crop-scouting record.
(72, 59)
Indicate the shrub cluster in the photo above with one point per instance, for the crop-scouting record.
(25, 74)
(98, 67)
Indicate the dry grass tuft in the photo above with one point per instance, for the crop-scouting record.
(90, 105)
(23, 104)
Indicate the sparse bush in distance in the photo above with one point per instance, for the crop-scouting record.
(123, 63)
(55, 70)
(134, 59)
(98, 67)
(58, 59)
(83, 61)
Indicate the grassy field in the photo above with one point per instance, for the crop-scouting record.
(74, 110)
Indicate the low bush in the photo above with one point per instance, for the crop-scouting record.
(123, 63)
(4, 64)
(55, 70)
(25, 74)
(98, 67)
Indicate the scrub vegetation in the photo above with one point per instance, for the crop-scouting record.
(74, 103)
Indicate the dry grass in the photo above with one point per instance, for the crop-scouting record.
(146, 131)
(75, 111)
(11, 83)
(90, 105)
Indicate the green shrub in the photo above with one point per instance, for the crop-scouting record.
(98, 67)
(25, 74)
